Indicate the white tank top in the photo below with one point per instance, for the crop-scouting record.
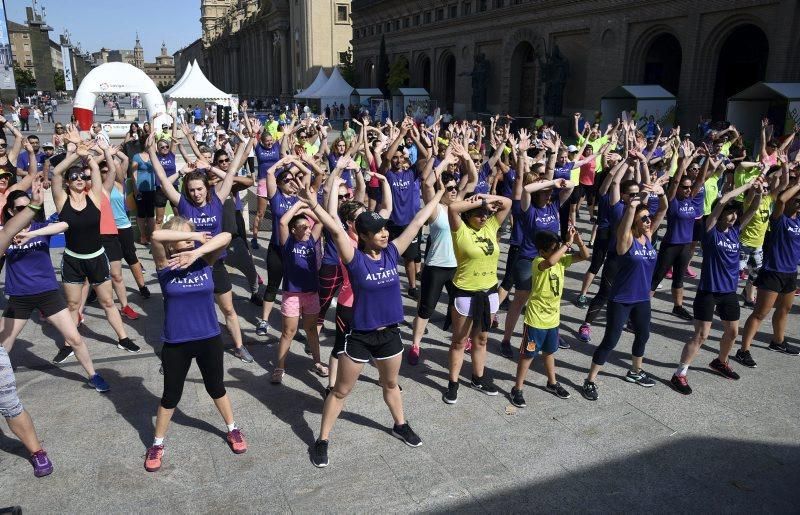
(440, 249)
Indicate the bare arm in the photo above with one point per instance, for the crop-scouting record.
(210, 249)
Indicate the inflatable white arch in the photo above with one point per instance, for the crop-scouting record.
(111, 78)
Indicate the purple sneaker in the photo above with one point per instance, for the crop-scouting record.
(42, 466)
(585, 333)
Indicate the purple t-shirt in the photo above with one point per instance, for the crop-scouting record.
(376, 288)
(680, 219)
(506, 186)
(720, 271)
(782, 250)
(189, 312)
(29, 270)
(405, 195)
(24, 160)
(635, 272)
(347, 176)
(207, 218)
(537, 219)
(516, 228)
(300, 272)
(482, 186)
(561, 172)
(266, 157)
(168, 164)
(614, 216)
(279, 204)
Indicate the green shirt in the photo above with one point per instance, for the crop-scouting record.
(348, 135)
(543, 310)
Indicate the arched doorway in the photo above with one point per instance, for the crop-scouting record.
(368, 75)
(742, 62)
(522, 99)
(447, 83)
(662, 63)
(424, 68)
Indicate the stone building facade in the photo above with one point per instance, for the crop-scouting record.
(188, 54)
(703, 52)
(262, 48)
(162, 71)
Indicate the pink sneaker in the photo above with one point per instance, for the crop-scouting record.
(690, 272)
(413, 355)
(468, 346)
(669, 274)
(236, 441)
(585, 333)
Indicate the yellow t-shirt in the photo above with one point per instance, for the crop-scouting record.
(596, 145)
(543, 310)
(477, 254)
(755, 231)
(741, 177)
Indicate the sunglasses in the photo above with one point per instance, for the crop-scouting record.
(451, 188)
(220, 161)
(345, 197)
(76, 176)
(3, 145)
(162, 148)
(686, 186)
(646, 219)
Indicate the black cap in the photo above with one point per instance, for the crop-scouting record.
(370, 222)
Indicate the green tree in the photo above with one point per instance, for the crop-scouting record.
(24, 78)
(58, 80)
(348, 68)
(398, 74)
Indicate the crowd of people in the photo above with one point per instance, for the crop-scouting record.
(347, 219)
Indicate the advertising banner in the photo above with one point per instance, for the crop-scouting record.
(6, 64)
(66, 56)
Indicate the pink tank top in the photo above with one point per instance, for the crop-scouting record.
(107, 224)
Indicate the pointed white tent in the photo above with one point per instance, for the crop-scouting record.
(197, 87)
(181, 80)
(319, 81)
(335, 91)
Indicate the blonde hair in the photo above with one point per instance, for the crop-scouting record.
(176, 223)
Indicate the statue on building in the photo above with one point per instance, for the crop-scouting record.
(555, 72)
(480, 79)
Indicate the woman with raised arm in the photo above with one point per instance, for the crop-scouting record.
(777, 280)
(377, 312)
(719, 278)
(201, 204)
(473, 225)
(629, 297)
(190, 330)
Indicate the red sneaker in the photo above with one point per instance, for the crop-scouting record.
(413, 355)
(236, 441)
(468, 346)
(690, 272)
(152, 460)
(129, 313)
(669, 274)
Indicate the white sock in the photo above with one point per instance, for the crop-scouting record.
(231, 426)
(158, 441)
(682, 369)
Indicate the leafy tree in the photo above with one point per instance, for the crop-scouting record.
(398, 74)
(348, 68)
(24, 78)
(58, 80)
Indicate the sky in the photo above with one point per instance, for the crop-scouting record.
(113, 23)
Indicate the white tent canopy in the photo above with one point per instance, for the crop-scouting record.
(181, 80)
(779, 101)
(197, 87)
(312, 88)
(645, 99)
(335, 92)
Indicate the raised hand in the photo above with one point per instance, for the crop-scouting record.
(183, 260)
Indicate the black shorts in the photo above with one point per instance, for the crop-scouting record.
(222, 281)
(344, 320)
(159, 198)
(374, 193)
(725, 304)
(699, 228)
(779, 282)
(523, 273)
(413, 252)
(48, 303)
(381, 344)
(146, 204)
(112, 245)
(125, 237)
(76, 270)
(587, 191)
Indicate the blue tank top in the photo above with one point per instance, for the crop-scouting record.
(439, 251)
(168, 164)
(145, 174)
(635, 272)
(720, 269)
(29, 270)
(405, 195)
(189, 312)
(117, 199)
(300, 272)
(782, 248)
(377, 301)
(680, 219)
(279, 204)
(266, 157)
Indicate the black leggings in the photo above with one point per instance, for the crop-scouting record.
(330, 279)
(675, 255)
(606, 281)
(508, 278)
(274, 273)
(616, 316)
(434, 278)
(599, 251)
(128, 247)
(176, 359)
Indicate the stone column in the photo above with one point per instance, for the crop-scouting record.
(269, 83)
(285, 63)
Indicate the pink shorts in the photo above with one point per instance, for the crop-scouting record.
(262, 188)
(294, 303)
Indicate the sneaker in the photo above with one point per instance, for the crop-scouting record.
(327, 391)
(680, 384)
(516, 398)
(562, 343)
(451, 395)
(690, 272)
(98, 383)
(243, 354)
(639, 378)
(413, 293)
(144, 291)
(63, 354)
(748, 303)
(557, 390)
(585, 333)
(505, 349)
(129, 313)
(797, 292)
(307, 349)
(319, 454)
(128, 345)
(407, 435)
(505, 304)
(254, 244)
(743, 275)
(784, 348)
(682, 312)
(42, 466)
(262, 328)
(413, 355)
(744, 357)
(589, 390)
(92, 297)
(468, 346)
(256, 299)
(723, 369)
(582, 301)
(152, 460)
(236, 441)
(277, 376)
(483, 384)
(495, 323)
(669, 274)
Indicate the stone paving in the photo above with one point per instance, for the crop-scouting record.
(730, 446)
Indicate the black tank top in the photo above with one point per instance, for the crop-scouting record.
(83, 235)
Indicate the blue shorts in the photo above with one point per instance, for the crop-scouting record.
(539, 340)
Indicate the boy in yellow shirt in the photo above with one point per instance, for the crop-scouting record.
(543, 311)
